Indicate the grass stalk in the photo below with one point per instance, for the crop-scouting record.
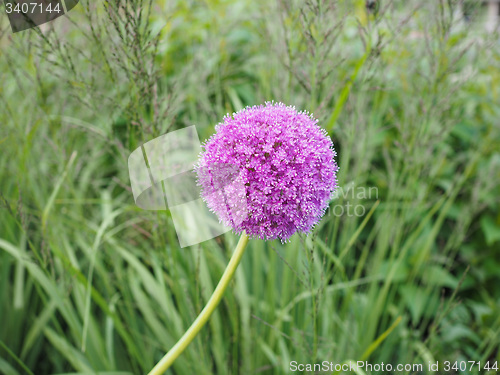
(207, 311)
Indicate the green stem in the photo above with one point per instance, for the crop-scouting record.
(202, 319)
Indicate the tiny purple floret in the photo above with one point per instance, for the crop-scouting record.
(285, 167)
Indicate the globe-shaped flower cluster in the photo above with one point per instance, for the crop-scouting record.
(269, 170)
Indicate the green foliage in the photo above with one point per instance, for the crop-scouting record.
(409, 273)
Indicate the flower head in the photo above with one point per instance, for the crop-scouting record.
(268, 170)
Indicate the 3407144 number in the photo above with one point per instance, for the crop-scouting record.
(463, 366)
(32, 8)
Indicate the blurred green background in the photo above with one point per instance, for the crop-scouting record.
(410, 94)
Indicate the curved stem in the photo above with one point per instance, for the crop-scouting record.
(202, 319)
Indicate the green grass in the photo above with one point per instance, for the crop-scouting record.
(91, 284)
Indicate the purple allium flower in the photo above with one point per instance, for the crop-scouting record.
(268, 170)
